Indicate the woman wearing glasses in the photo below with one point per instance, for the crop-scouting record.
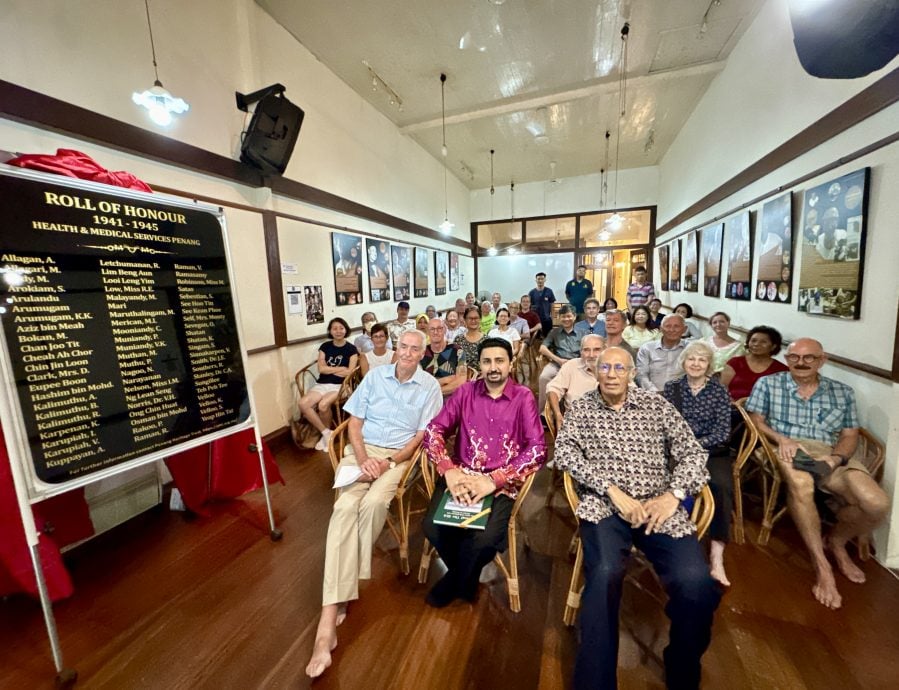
(705, 404)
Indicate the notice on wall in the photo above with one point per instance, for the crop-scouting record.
(119, 324)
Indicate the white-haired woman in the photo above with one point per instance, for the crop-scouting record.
(705, 404)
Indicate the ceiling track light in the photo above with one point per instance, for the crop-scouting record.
(378, 83)
(704, 26)
(160, 104)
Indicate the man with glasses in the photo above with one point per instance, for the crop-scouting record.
(634, 459)
(441, 359)
(813, 422)
(591, 323)
(561, 345)
(576, 377)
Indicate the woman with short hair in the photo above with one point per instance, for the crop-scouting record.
(740, 373)
(722, 343)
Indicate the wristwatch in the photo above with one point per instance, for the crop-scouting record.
(390, 463)
(679, 494)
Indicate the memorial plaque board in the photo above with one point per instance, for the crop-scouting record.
(119, 324)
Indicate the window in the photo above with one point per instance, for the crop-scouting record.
(603, 230)
(550, 233)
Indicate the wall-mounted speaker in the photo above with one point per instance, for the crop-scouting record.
(269, 140)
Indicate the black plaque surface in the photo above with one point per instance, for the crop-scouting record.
(119, 322)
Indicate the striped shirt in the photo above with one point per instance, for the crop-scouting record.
(393, 412)
(821, 418)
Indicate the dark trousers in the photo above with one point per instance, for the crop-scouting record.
(467, 551)
(546, 325)
(693, 597)
(721, 483)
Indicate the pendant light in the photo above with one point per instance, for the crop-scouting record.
(160, 104)
(445, 227)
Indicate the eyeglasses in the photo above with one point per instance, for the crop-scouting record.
(806, 359)
(619, 369)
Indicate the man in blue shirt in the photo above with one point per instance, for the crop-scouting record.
(578, 290)
(389, 413)
(542, 300)
(802, 412)
(591, 324)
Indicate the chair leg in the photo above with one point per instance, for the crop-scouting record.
(739, 534)
(573, 602)
(403, 511)
(425, 565)
(864, 547)
(768, 519)
(512, 579)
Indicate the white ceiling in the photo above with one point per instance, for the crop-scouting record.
(536, 80)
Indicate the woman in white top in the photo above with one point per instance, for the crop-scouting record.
(453, 327)
(639, 332)
(379, 355)
(723, 346)
(504, 330)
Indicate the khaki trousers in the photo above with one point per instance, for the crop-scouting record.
(356, 522)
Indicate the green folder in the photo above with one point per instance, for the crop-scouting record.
(457, 515)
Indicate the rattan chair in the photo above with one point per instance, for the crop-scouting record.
(741, 470)
(701, 515)
(349, 384)
(304, 435)
(509, 569)
(398, 523)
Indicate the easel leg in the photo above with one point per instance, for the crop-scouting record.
(274, 533)
(65, 677)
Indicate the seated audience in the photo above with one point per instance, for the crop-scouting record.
(488, 317)
(655, 311)
(363, 342)
(380, 354)
(499, 418)
(610, 304)
(740, 373)
(531, 316)
(454, 327)
(460, 308)
(694, 329)
(470, 300)
(723, 345)
(336, 359)
(800, 410)
(576, 377)
(518, 323)
(442, 359)
(657, 360)
(503, 329)
(562, 344)
(431, 312)
(613, 443)
(616, 322)
(496, 301)
(591, 323)
(639, 331)
(421, 323)
(470, 340)
(704, 403)
(401, 323)
(388, 415)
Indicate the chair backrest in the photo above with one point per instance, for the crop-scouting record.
(305, 378)
(347, 386)
(340, 437)
(872, 453)
(473, 374)
(750, 437)
(703, 506)
(550, 418)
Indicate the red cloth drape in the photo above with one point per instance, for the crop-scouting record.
(68, 513)
(232, 470)
(73, 163)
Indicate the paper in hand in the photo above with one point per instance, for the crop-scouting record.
(346, 475)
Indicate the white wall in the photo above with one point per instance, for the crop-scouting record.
(94, 53)
(636, 187)
(761, 99)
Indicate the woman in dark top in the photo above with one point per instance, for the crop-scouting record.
(705, 404)
(470, 340)
(336, 359)
(740, 373)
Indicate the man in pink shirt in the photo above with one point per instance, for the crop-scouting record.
(499, 442)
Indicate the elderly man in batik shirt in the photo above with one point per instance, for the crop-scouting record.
(499, 442)
(634, 459)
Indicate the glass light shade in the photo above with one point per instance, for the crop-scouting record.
(160, 104)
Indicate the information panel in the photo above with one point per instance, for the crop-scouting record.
(119, 322)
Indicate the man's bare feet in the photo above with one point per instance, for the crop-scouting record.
(825, 590)
(719, 574)
(321, 655)
(716, 558)
(844, 562)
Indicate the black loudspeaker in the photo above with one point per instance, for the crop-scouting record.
(846, 39)
(272, 134)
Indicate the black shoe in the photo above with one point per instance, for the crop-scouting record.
(443, 593)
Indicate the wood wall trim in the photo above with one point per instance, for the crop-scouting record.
(275, 286)
(260, 350)
(870, 101)
(33, 108)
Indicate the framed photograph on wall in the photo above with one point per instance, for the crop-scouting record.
(774, 282)
(691, 263)
(834, 228)
(663, 267)
(346, 251)
(738, 237)
(378, 252)
(421, 272)
(453, 272)
(441, 259)
(674, 273)
(711, 259)
(399, 260)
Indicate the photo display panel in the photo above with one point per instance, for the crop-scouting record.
(119, 321)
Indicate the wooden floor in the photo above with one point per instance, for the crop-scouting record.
(167, 602)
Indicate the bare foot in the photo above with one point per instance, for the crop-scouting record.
(825, 590)
(719, 574)
(852, 572)
(341, 613)
(321, 656)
